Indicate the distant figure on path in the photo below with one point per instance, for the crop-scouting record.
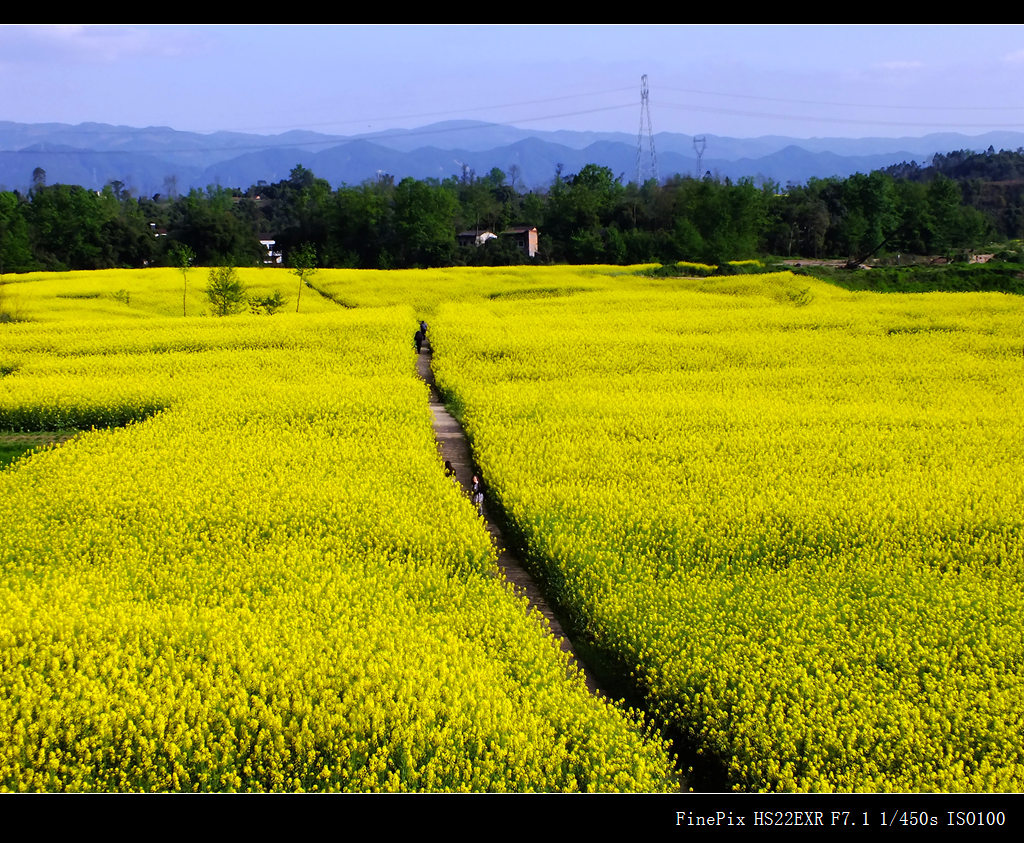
(449, 469)
(478, 495)
(420, 336)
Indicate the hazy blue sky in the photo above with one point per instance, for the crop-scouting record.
(737, 80)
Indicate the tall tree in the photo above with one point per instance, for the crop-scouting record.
(183, 257)
(871, 217)
(67, 225)
(361, 225)
(15, 243)
(206, 222)
(425, 222)
(303, 263)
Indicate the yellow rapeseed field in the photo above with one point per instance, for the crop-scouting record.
(796, 512)
(263, 581)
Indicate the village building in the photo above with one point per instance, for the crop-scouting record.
(274, 256)
(475, 238)
(525, 237)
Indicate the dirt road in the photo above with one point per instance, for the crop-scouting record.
(455, 448)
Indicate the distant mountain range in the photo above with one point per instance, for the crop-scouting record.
(161, 160)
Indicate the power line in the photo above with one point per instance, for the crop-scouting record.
(817, 118)
(852, 104)
(415, 115)
(645, 114)
(459, 111)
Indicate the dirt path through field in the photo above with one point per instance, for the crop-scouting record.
(455, 448)
(13, 445)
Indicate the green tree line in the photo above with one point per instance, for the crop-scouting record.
(587, 217)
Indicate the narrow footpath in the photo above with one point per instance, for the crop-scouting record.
(455, 449)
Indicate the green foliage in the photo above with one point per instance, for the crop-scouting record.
(9, 453)
(267, 304)
(225, 291)
(682, 269)
(181, 256)
(425, 222)
(302, 260)
(298, 210)
(587, 217)
(219, 235)
(501, 251)
(361, 225)
(1010, 253)
(988, 277)
(66, 221)
(15, 242)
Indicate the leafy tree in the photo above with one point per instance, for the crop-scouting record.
(425, 222)
(208, 223)
(182, 257)
(67, 227)
(870, 220)
(303, 263)
(580, 208)
(944, 206)
(127, 240)
(362, 224)
(917, 229)
(15, 243)
(225, 291)
(118, 189)
(480, 209)
(299, 210)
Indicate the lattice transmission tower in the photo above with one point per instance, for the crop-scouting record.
(650, 171)
(699, 145)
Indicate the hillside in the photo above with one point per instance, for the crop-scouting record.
(158, 159)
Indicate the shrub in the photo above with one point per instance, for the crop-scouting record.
(267, 304)
(225, 291)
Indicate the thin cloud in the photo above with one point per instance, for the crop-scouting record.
(91, 43)
(900, 65)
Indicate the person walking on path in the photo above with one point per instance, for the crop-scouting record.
(420, 336)
(477, 494)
